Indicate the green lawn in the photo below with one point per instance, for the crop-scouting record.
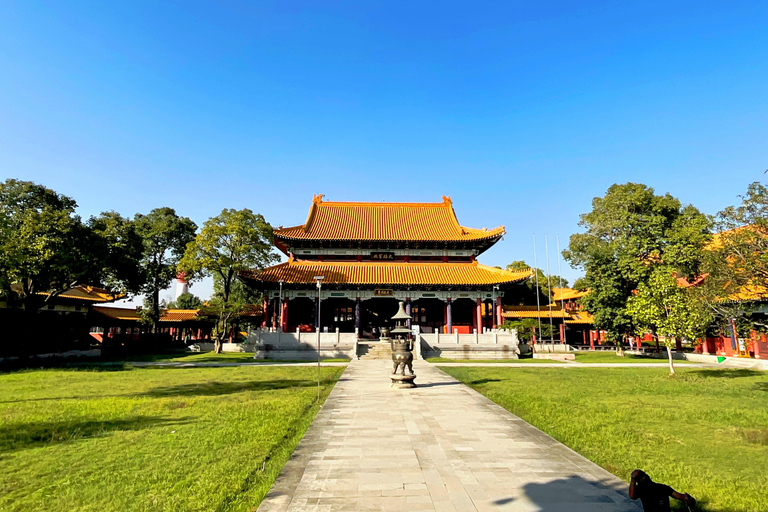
(230, 357)
(611, 357)
(583, 357)
(115, 439)
(704, 431)
(483, 361)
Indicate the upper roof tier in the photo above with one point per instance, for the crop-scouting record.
(396, 222)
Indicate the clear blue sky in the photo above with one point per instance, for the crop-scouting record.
(521, 111)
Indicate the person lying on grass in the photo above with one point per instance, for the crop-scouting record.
(653, 496)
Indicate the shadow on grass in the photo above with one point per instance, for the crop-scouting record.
(480, 382)
(727, 373)
(91, 366)
(761, 386)
(19, 436)
(228, 388)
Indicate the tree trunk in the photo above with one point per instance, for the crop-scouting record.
(671, 364)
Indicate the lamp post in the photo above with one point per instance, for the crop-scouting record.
(281, 305)
(319, 280)
(496, 306)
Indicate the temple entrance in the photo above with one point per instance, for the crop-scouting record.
(301, 314)
(428, 314)
(374, 314)
(463, 312)
(337, 312)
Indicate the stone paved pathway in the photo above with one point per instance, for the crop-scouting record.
(439, 447)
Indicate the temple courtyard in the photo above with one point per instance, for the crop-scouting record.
(207, 432)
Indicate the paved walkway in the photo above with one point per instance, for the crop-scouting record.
(439, 447)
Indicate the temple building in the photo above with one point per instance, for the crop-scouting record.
(350, 263)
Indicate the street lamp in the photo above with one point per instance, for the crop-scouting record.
(281, 305)
(319, 280)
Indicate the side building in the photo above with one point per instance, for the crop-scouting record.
(350, 263)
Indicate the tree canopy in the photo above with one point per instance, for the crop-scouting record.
(736, 264)
(164, 236)
(43, 243)
(232, 241)
(186, 301)
(628, 234)
(672, 312)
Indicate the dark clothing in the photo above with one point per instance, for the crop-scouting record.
(655, 497)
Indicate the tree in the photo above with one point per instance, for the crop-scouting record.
(45, 249)
(630, 232)
(233, 241)
(164, 237)
(119, 248)
(186, 301)
(545, 293)
(736, 264)
(672, 312)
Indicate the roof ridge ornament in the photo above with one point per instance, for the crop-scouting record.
(447, 200)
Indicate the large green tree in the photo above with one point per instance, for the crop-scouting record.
(630, 232)
(164, 237)
(232, 241)
(45, 249)
(670, 311)
(118, 248)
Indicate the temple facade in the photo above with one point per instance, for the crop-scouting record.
(350, 263)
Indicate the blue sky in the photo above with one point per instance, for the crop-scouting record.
(521, 111)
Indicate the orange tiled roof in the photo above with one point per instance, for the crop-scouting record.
(569, 317)
(169, 315)
(384, 273)
(580, 317)
(384, 221)
(90, 293)
(566, 294)
(83, 292)
(532, 312)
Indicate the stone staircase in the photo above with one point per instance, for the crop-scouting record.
(374, 350)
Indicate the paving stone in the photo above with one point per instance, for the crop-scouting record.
(440, 447)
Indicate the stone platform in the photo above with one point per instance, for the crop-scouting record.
(438, 447)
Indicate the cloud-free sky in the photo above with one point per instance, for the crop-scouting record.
(521, 111)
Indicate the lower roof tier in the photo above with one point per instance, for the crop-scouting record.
(545, 313)
(386, 273)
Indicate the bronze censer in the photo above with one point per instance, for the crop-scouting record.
(401, 342)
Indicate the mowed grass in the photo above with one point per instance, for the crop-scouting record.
(485, 361)
(611, 357)
(704, 431)
(232, 357)
(186, 439)
(581, 357)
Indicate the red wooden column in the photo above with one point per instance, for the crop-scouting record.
(284, 316)
(479, 315)
(448, 317)
(265, 305)
(562, 333)
(499, 318)
(592, 340)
